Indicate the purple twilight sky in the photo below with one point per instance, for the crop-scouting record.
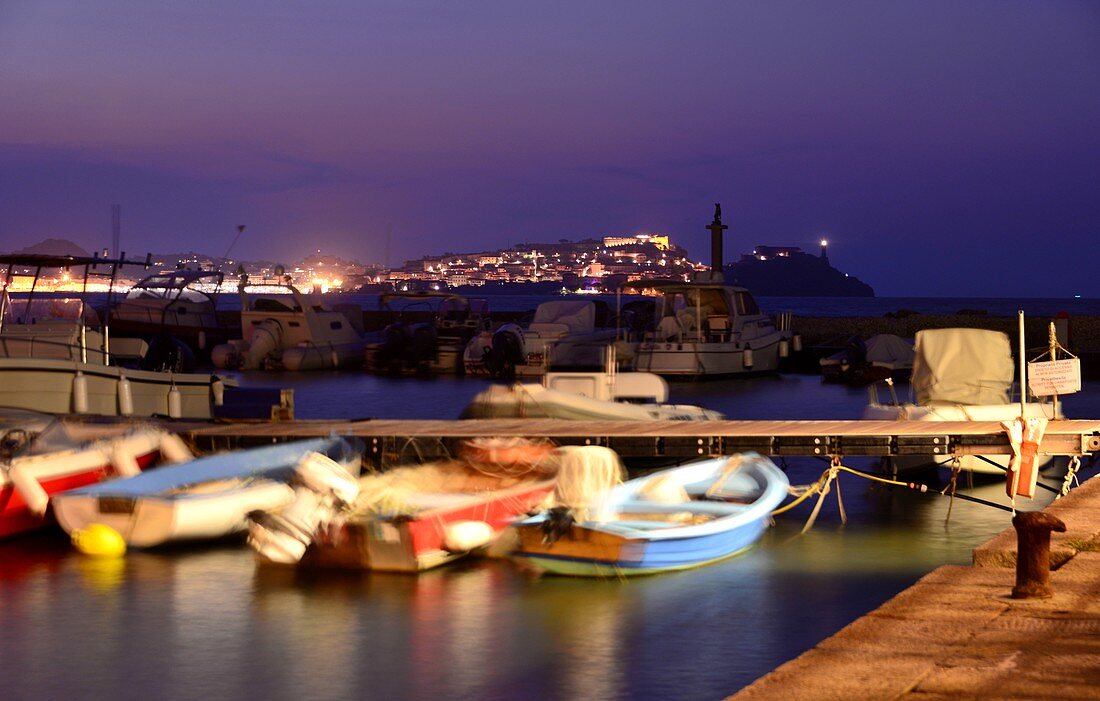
(944, 148)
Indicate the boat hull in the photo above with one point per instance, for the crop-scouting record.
(535, 401)
(586, 553)
(64, 470)
(707, 359)
(418, 543)
(636, 531)
(150, 521)
(48, 386)
(208, 497)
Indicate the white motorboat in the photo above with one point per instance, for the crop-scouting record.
(176, 302)
(562, 332)
(208, 497)
(706, 328)
(57, 357)
(579, 396)
(283, 328)
(960, 375)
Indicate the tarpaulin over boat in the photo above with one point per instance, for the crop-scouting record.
(566, 316)
(962, 366)
(889, 350)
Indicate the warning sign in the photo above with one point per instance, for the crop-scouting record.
(1054, 377)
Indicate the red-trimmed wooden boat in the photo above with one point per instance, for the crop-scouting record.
(418, 517)
(40, 461)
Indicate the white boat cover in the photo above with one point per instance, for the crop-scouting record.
(962, 366)
(889, 350)
(565, 316)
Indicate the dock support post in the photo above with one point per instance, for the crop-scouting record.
(1033, 530)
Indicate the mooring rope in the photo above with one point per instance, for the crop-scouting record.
(824, 483)
(1071, 476)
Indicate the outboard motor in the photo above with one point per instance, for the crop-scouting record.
(855, 352)
(506, 353)
(168, 354)
(395, 345)
(322, 489)
(423, 345)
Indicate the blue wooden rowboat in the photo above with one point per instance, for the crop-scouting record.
(723, 507)
(208, 497)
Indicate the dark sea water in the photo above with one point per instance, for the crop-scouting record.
(206, 623)
(804, 306)
(203, 622)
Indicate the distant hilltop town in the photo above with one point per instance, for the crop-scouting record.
(589, 265)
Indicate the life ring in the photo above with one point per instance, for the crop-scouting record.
(511, 453)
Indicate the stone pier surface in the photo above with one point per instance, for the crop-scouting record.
(956, 633)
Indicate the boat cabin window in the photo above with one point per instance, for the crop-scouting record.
(709, 301)
(746, 304)
(266, 304)
(335, 325)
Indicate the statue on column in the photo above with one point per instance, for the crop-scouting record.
(717, 213)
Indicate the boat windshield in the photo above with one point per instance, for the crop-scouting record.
(709, 301)
(746, 304)
(39, 310)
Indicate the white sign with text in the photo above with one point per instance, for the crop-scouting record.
(1054, 377)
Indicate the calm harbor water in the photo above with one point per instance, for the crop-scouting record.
(206, 623)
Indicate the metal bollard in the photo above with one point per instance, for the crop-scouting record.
(1033, 553)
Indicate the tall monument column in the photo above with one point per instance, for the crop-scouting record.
(716, 228)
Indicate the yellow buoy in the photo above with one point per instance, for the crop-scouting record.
(99, 540)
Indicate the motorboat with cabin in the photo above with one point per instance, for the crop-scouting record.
(428, 333)
(57, 355)
(705, 328)
(285, 329)
(179, 303)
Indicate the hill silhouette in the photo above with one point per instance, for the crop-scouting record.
(54, 247)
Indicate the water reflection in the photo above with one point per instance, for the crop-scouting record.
(205, 622)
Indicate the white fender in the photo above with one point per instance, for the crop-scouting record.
(175, 403)
(746, 358)
(201, 340)
(29, 488)
(124, 460)
(464, 536)
(80, 393)
(125, 397)
(784, 348)
(217, 390)
(226, 356)
(796, 343)
(173, 450)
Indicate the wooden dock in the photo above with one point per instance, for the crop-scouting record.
(389, 442)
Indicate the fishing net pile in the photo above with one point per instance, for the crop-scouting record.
(483, 465)
(584, 474)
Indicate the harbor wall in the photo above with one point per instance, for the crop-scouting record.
(957, 633)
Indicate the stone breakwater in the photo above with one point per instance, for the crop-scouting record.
(1084, 331)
